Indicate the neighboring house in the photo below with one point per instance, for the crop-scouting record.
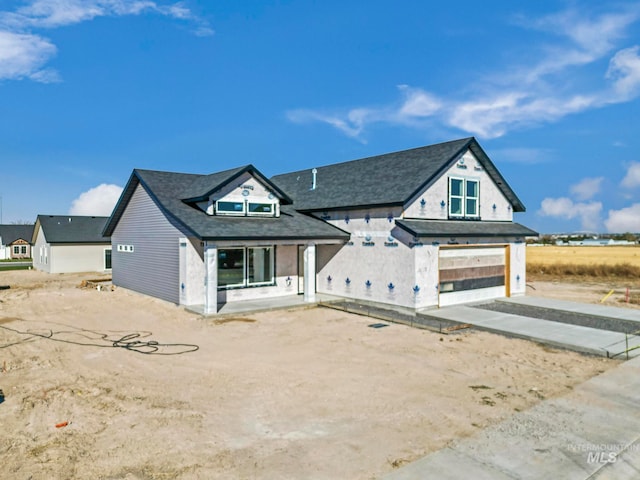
(15, 241)
(67, 243)
(420, 228)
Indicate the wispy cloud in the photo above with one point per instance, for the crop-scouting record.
(24, 53)
(586, 188)
(521, 95)
(24, 56)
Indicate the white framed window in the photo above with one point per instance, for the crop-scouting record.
(241, 209)
(464, 197)
(241, 267)
(230, 208)
(16, 249)
(267, 209)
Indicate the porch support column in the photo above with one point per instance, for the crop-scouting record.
(210, 279)
(310, 273)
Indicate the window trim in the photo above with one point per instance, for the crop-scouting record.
(464, 198)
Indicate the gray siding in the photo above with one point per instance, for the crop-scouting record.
(153, 267)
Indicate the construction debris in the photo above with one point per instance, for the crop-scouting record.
(100, 285)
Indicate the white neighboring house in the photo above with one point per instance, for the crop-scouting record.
(14, 241)
(67, 243)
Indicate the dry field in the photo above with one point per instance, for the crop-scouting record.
(606, 255)
(600, 269)
(313, 394)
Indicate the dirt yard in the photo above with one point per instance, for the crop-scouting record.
(313, 394)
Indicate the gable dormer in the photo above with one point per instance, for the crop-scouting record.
(245, 197)
(242, 192)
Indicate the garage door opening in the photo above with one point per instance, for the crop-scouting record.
(468, 274)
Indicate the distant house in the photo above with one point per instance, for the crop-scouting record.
(65, 243)
(15, 241)
(420, 228)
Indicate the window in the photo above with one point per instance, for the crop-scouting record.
(230, 208)
(231, 267)
(464, 195)
(16, 249)
(23, 249)
(245, 267)
(245, 208)
(258, 208)
(107, 259)
(260, 268)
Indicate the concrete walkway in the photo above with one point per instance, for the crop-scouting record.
(595, 310)
(562, 335)
(591, 433)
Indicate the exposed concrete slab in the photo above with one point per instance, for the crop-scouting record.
(572, 337)
(590, 433)
(263, 305)
(595, 310)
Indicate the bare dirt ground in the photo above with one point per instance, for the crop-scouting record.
(626, 294)
(313, 394)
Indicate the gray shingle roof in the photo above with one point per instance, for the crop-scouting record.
(11, 233)
(72, 229)
(169, 190)
(390, 179)
(203, 186)
(461, 228)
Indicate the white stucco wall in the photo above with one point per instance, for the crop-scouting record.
(41, 252)
(192, 288)
(437, 192)
(380, 268)
(518, 268)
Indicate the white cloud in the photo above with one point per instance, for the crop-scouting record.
(24, 54)
(632, 178)
(418, 103)
(565, 208)
(624, 220)
(624, 70)
(59, 13)
(98, 201)
(541, 90)
(586, 188)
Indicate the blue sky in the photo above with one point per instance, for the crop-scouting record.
(90, 89)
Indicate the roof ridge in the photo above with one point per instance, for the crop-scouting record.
(396, 152)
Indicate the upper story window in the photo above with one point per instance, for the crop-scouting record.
(230, 208)
(245, 208)
(464, 195)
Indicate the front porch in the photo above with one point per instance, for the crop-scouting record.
(263, 305)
